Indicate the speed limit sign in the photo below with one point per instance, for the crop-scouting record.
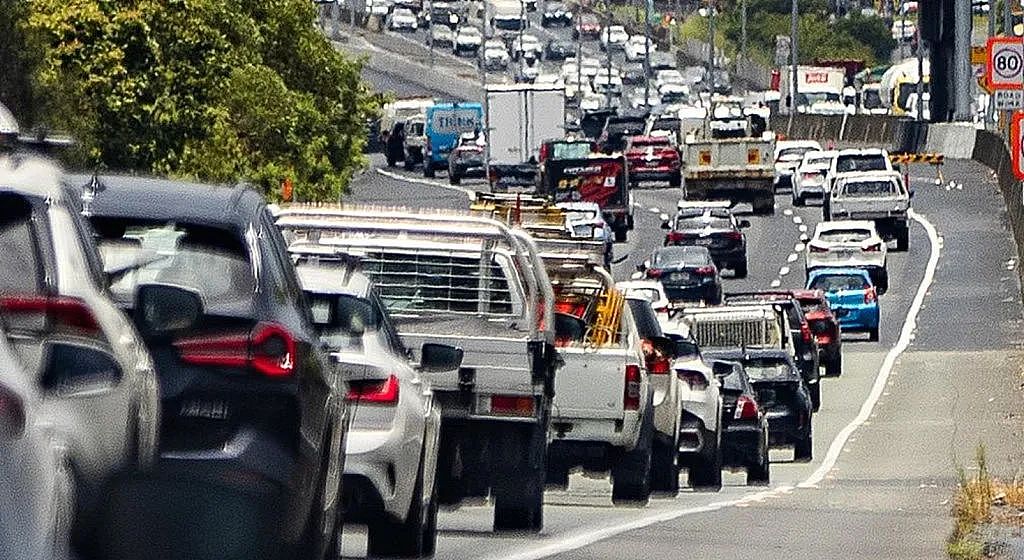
(1005, 68)
(1017, 144)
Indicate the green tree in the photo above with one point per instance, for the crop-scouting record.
(870, 31)
(216, 90)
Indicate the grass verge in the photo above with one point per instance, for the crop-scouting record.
(981, 499)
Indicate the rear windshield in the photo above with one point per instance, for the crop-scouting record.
(763, 369)
(869, 188)
(19, 263)
(211, 261)
(794, 153)
(570, 150)
(838, 282)
(845, 235)
(845, 164)
(650, 294)
(701, 223)
(680, 258)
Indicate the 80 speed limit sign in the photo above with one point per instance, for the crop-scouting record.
(1005, 67)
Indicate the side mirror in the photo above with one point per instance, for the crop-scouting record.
(641, 267)
(437, 358)
(161, 309)
(744, 224)
(721, 369)
(78, 369)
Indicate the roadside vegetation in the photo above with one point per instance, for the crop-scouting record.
(215, 90)
(982, 500)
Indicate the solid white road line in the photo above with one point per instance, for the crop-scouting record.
(416, 180)
(582, 539)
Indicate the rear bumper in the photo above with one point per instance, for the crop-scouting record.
(623, 432)
(468, 170)
(786, 428)
(857, 318)
(705, 292)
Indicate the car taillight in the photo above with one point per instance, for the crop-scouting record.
(269, 349)
(48, 314)
(659, 365)
(694, 379)
(809, 176)
(12, 415)
(706, 271)
(734, 235)
(511, 405)
(870, 296)
(746, 409)
(873, 248)
(663, 309)
(674, 237)
(631, 391)
(654, 273)
(817, 249)
(377, 391)
(824, 339)
(805, 332)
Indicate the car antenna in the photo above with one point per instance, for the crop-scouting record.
(94, 186)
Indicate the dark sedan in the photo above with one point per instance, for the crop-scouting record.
(687, 273)
(713, 227)
(556, 49)
(782, 395)
(745, 437)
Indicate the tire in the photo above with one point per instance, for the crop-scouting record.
(557, 476)
(741, 270)
(883, 281)
(675, 180)
(409, 538)
(454, 179)
(815, 390)
(428, 169)
(408, 164)
(390, 160)
(518, 490)
(803, 449)
(798, 200)
(834, 367)
(621, 234)
(759, 474)
(311, 546)
(706, 472)
(873, 335)
(903, 240)
(632, 473)
(765, 206)
(665, 468)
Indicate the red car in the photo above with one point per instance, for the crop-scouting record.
(653, 158)
(825, 328)
(588, 27)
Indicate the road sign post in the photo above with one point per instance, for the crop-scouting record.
(1017, 145)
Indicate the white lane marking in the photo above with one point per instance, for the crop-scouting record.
(906, 335)
(798, 247)
(798, 220)
(470, 193)
(803, 228)
(654, 210)
(791, 258)
(776, 283)
(784, 271)
(587, 538)
(787, 212)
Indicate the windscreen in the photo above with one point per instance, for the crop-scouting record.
(794, 153)
(678, 256)
(845, 236)
(211, 261)
(570, 150)
(849, 163)
(869, 188)
(19, 259)
(702, 222)
(766, 369)
(650, 294)
(839, 282)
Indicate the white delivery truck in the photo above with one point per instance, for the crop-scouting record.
(820, 90)
(520, 117)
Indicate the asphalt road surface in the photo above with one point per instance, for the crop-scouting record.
(908, 411)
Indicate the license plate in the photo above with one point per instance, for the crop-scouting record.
(210, 410)
(705, 241)
(679, 277)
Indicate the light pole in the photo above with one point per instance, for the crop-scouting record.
(743, 33)
(608, 53)
(711, 47)
(579, 58)
(647, 51)
(920, 70)
(794, 53)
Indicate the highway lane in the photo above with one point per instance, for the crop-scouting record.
(907, 448)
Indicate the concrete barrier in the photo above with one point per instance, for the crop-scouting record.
(955, 140)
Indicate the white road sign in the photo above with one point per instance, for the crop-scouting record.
(1006, 62)
(1008, 99)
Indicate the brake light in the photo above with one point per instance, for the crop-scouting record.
(870, 296)
(746, 409)
(734, 235)
(378, 391)
(706, 271)
(674, 237)
(810, 176)
(694, 379)
(654, 273)
(512, 405)
(874, 248)
(661, 309)
(660, 365)
(269, 349)
(805, 332)
(48, 314)
(824, 339)
(631, 391)
(817, 249)
(12, 415)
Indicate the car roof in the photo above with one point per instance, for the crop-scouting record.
(844, 224)
(862, 152)
(170, 200)
(839, 271)
(858, 176)
(747, 353)
(29, 175)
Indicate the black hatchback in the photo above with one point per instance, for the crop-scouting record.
(557, 50)
(745, 436)
(254, 420)
(687, 273)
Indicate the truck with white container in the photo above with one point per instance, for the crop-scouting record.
(819, 91)
(520, 117)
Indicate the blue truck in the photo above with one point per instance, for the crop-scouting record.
(445, 123)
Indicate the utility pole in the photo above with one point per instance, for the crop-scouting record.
(579, 60)
(743, 32)
(608, 53)
(1007, 18)
(794, 56)
(920, 69)
(962, 75)
(711, 47)
(647, 52)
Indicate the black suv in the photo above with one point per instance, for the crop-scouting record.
(254, 420)
(713, 227)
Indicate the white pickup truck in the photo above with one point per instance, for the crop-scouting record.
(878, 196)
(603, 413)
(473, 282)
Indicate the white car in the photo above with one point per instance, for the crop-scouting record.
(849, 243)
(402, 19)
(670, 93)
(613, 37)
(809, 177)
(853, 160)
(605, 83)
(904, 30)
(526, 46)
(592, 102)
(442, 36)
(379, 8)
(700, 430)
(590, 67)
(664, 77)
(634, 48)
(788, 155)
(495, 56)
(392, 446)
(527, 72)
(468, 40)
(638, 101)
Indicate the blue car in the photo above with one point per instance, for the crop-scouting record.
(852, 296)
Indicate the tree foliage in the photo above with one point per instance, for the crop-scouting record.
(216, 90)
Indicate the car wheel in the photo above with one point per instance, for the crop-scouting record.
(454, 179)
(741, 270)
(834, 367)
(631, 475)
(873, 335)
(665, 468)
(621, 235)
(675, 180)
(759, 474)
(557, 476)
(408, 163)
(519, 489)
(404, 539)
(706, 471)
(903, 240)
(803, 449)
(815, 390)
(765, 206)
(798, 200)
(428, 169)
